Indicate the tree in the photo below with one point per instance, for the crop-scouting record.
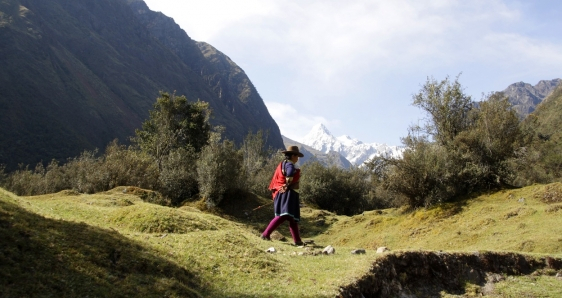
(218, 170)
(258, 163)
(463, 146)
(491, 140)
(174, 123)
(425, 175)
(447, 106)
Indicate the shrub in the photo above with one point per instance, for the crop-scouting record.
(424, 175)
(178, 177)
(259, 182)
(25, 182)
(258, 164)
(128, 167)
(120, 166)
(3, 175)
(335, 189)
(218, 170)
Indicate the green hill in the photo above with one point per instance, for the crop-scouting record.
(546, 119)
(78, 74)
(542, 160)
(113, 244)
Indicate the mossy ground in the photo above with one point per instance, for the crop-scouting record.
(115, 244)
(521, 220)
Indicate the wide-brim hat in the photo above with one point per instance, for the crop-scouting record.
(293, 150)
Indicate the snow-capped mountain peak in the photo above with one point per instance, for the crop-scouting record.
(348, 141)
(353, 150)
(318, 137)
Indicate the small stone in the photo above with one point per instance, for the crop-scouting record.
(494, 277)
(271, 250)
(488, 289)
(382, 249)
(521, 200)
(278, 236)
(358, 251)
(328, 250)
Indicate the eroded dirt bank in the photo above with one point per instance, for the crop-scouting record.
(415, 273)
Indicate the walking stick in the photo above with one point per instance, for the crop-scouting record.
(262, 206)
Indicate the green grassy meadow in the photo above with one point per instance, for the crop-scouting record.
(113, 244)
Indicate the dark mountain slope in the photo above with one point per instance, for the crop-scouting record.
(228, 82)
(78, 73)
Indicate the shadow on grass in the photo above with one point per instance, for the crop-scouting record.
(242, 207)
(257, 212)
(42, 257)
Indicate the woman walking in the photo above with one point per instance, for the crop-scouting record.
(283, 186)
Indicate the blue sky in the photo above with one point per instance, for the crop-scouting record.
(354, 65)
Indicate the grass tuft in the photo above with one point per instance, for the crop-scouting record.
(148, 218)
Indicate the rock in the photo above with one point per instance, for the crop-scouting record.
(488, 289)
(382, 249)
(358, 251)
(524, 97)
(472, 276)
(308, 242)
(521, 200)
(271, 250)
(494, 277)
(328, 250)
(559, 275)
(278, 236)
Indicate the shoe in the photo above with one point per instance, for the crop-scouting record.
(300, 243)
(265, 238)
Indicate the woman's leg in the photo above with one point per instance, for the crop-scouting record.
(294, 228)
(274, 224)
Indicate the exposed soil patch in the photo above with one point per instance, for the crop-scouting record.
(426, 274)
(551, 193)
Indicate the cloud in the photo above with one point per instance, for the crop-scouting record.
(360, 61)
(320, 42)
(323, 41)
(202, 20)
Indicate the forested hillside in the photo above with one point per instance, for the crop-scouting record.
(544, 157)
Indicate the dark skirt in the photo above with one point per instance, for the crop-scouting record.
(287, 203)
